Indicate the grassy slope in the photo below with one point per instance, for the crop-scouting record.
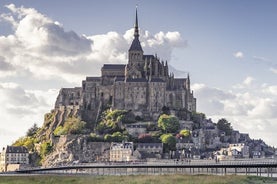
(163, 179)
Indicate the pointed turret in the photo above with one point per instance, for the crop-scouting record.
(188, 83)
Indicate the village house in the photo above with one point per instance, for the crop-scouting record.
(121, 152)
(13, 157)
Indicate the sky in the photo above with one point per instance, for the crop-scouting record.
(227, 47)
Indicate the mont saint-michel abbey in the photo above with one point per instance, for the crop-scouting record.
(143, 85)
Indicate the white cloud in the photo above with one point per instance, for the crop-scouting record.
(238, 55)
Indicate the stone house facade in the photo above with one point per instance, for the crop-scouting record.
(121, 152)
(14, 155)
(13, 158)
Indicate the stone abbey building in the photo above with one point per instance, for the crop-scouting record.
(143, 85)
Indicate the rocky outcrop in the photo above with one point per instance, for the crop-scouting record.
(57, 118)
(69, 149)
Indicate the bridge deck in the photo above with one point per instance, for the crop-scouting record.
(231, 167)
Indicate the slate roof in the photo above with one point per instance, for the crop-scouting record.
(135, 45)
(114, 67)
(148, 57)
(157, 80)
(136, 80)
(93, 78)
(16, 149)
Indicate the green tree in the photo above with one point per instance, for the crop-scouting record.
(225, 126)
(169, 142)
(168, 123)
(111, 121)
(32, 131)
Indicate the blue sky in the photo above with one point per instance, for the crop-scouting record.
(228, 47)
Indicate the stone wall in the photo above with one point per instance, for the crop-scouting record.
(12, 167)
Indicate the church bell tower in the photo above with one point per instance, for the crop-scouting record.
(135, 64)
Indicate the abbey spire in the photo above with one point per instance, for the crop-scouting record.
(136, 33)
(136, 43)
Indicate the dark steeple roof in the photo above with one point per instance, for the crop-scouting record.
(136, 43)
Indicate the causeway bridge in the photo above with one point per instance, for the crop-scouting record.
(260, 167)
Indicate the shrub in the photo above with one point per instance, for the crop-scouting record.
(115, 137)
(95, 138)
(45, 149)
(184, 133)
(59, 131)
